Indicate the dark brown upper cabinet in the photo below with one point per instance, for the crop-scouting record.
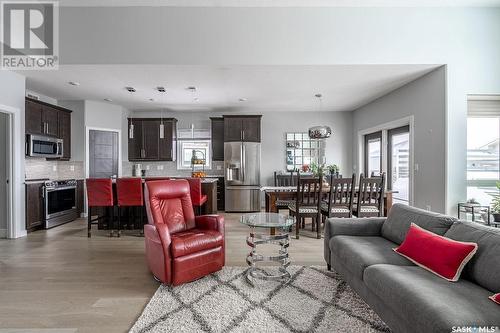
(217, 138)
(242, 128)
(65, 133)
(145, 142)
(46, 119)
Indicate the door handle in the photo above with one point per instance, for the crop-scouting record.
(243, 159)
(243, 135)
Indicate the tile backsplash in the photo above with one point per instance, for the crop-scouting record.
(38, 168)
(158, 169)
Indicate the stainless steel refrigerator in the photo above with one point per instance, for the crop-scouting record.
(242, 176)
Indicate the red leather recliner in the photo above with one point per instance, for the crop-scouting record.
(179, 246)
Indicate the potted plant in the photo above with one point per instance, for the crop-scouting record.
(333, 169)
(495, 204)
(317, 169)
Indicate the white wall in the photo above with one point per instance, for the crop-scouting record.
(274, 127)
(12, 90)
(425, 100)
(467, 40)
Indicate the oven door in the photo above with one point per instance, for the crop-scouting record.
(59, 201)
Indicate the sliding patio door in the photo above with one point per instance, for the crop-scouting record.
(373, 153)
(398, 163)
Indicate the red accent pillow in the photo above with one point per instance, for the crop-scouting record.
(440, 255)
(495, 298)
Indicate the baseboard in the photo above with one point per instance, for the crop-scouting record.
(3, 233)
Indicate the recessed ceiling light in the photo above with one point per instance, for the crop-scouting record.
(196, 99)
(151, 99)
(318, 95)
(243, 99)
(160, 89)
(74, 83)
(191, 88)
(108, 100)
(130, 89)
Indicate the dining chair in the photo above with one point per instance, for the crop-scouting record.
(100, 194)
(197, 197)
(339, 198)
(370, 197)
(129, 194)
(283, 180)
(307, 202)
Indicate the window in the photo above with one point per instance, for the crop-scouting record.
(202, 150)
(483, 135)
(302, 150)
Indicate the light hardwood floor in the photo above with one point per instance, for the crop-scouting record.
(61, 279)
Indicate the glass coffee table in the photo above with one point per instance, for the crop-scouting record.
(268, 221)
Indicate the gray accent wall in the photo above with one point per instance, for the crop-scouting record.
(425, 100)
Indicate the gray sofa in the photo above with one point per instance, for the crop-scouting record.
(407, 297)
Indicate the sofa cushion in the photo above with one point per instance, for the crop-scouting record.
(440, 255)
(357, 253)
(401, 217)
(484, 267)
(194, 240)
(495, 298)
(429, 303)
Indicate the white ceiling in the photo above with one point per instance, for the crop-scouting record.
(283, 3)
(266, 88)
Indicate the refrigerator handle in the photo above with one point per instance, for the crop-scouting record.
(243, 161)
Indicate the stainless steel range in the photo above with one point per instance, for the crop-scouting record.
(59, 202)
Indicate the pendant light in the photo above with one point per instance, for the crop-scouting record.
(131, 127)
(321, 131)
(162, 126)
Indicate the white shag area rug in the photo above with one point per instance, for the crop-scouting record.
(314, 300)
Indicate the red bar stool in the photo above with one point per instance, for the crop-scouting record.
(99, 194)
(198, 199)
(129, 194)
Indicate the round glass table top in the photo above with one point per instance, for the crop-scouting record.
(267, 220)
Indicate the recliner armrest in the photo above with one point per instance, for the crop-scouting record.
(350, 227)
(210, 222)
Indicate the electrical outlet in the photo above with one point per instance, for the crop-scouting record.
(54, 168)
(72, 168)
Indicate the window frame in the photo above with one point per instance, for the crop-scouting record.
(180, 153)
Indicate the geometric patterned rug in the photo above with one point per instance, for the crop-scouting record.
(314, 300)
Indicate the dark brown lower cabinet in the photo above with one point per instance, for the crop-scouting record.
(220, 194)
(34, 206)
(80, 188)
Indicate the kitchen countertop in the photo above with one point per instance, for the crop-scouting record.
(207, 179)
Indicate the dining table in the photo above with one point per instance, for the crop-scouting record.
(274, 193)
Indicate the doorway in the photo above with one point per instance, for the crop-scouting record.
(4, 171)
(103, 153)
(388, 148)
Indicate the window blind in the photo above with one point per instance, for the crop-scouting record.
(483, 106)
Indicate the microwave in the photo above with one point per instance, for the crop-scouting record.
(43, 146)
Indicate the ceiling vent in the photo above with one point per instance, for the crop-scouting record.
(160, 89)
(130, 89)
